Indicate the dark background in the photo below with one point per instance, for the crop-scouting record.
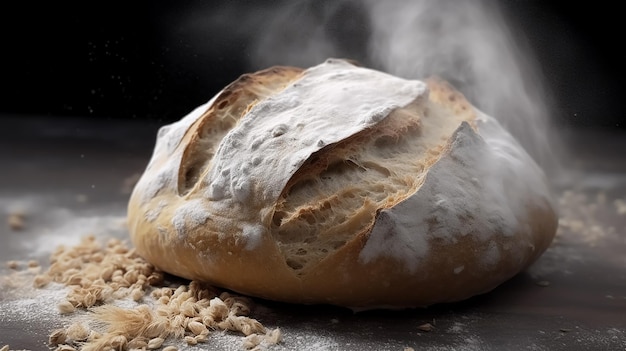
(134, 60)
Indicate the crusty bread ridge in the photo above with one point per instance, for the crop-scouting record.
(342, 185)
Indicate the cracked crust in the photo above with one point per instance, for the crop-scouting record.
(418, 207)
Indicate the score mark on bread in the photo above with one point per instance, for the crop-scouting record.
(344, 185)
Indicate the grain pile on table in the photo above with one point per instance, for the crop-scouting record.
(100, 274)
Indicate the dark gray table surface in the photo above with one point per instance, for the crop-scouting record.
(71, 177)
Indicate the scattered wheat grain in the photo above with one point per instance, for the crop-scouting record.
(155, 343)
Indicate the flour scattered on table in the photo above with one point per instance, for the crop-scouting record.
(101, 296)
(588, 222)
(456, 328)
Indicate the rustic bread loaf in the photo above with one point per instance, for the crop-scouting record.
(343, 185)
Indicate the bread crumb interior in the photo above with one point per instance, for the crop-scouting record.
(338, 191)
(340, 188)
(232, 104)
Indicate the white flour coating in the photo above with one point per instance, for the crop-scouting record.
(280, 133)
(467, 192)
(491, 256)
(154, 213)
(252, 233)
(155, 181)
(470, 188)
(169, 136)
(189, 215)
(168, 139)
(273, 140)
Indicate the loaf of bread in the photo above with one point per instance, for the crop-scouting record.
(341, 185)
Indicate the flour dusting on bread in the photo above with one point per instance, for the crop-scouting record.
(331, 102)
(345, 185)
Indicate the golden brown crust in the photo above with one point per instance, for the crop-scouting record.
(341, 279)
(214, 251)
(230, 105)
